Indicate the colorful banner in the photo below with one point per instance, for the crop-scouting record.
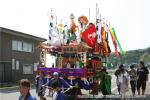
(104, 43)
(116, 40)
(65, 71)
(114, 43)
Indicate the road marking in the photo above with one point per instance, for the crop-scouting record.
(114, 89)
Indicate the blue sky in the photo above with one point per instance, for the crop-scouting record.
(130, 18)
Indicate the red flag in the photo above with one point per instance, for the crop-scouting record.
(89, 35)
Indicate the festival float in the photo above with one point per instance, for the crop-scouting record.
(78, 50)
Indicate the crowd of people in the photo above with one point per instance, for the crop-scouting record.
(136, 78)
(59, 86)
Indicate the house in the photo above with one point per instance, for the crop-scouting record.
(19, 55)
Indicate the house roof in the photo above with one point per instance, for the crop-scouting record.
(21, 34)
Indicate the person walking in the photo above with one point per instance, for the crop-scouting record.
(117, 72)
(24, 88)
(40, 85)
(123, 79)
(133, 79)
(142, 77)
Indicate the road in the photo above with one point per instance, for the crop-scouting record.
(13, 93)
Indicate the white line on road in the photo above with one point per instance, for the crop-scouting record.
(114, 89)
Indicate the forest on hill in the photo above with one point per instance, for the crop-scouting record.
(130, 57)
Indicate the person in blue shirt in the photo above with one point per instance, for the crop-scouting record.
(24, 88)
(62, 82)
(58, 93)
(40, 82)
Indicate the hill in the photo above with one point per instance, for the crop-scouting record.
(131, 56)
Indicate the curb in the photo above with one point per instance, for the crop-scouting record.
(13, 87)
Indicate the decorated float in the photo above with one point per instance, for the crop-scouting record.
(79, 51)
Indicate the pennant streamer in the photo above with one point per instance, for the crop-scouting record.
(114, 43)
(116, 40)
(104, 43)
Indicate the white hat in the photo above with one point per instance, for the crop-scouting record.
(55, 74)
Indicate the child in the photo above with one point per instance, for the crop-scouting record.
(24, 88)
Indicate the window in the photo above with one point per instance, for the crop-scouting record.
(27, 47)
(22, 46)
(30, 47)
(14, 45)
(27, 69)
(19, 46)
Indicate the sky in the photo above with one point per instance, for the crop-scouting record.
(130, 18)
